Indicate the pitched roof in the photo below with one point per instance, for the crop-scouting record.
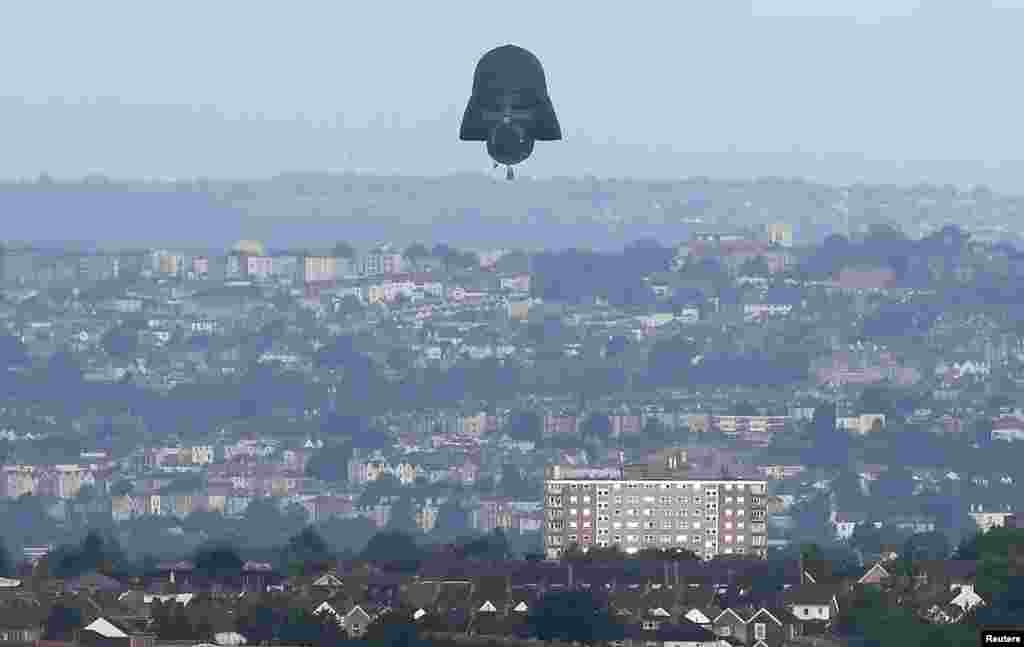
(106, 628)
(877, 569)
(811, 594)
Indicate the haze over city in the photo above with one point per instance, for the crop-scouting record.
(881, 91)
(327, 324)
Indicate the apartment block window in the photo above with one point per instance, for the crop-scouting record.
(740, 500)
(680, 539)
(696, 512)
(728, 525)
(586, 512)
(574, 499)
(666, 525)
(757, 540)
(728, 512)
(586, 499)
(740, 525)
(602, 532)
(586, 539)
(741, 538)
(650, 525)
(683, 500)
(649, 499)
(697, 500)
(586, 524)
(728, 486)
(648, 512)
(631, 538)
(728, 539)
(760, 632)
(741, 512)
(728, 499)
(649, 539)
(632, 499)
(573, 512)
(666, 539)
(602, 506)
(617, 500)
(617, 538)
(632, 524)
(696, 525)
(572, 537)
(617, 525)
(616, 486)
(602, 517)
(573, 524)
(684, 525)
(666, 500)
(602, 492)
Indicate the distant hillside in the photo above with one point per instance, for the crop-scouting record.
(470, 210)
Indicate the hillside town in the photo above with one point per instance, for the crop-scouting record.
(864, 389)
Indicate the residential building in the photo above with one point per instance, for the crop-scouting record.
(319, 269)
(655, 505)
(749, 424)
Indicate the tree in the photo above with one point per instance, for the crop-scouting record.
(400, 359)
(395, 630)
(123, 487)
(218, 562)
(414, 252)
(926, 546)
(513, 485)
(571, 616)
(258, 623)
(6, 566)
(452, 521)
(12, 351)
(491, 547)
(670, 360)
(897, 482)
(121, 342)
(307, 551)
(330, 464)
(392, 547)
(524, 425)
(343, 249)
(347, 534)
(402, 517)
(745, 409)
(598, 427)
(62, 622)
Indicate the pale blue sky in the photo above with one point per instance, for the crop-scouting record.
(641, 88)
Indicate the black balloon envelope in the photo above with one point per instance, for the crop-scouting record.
(510, 108)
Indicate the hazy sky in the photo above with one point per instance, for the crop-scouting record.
(232, 88)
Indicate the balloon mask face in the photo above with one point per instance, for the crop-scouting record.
(509, 108)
